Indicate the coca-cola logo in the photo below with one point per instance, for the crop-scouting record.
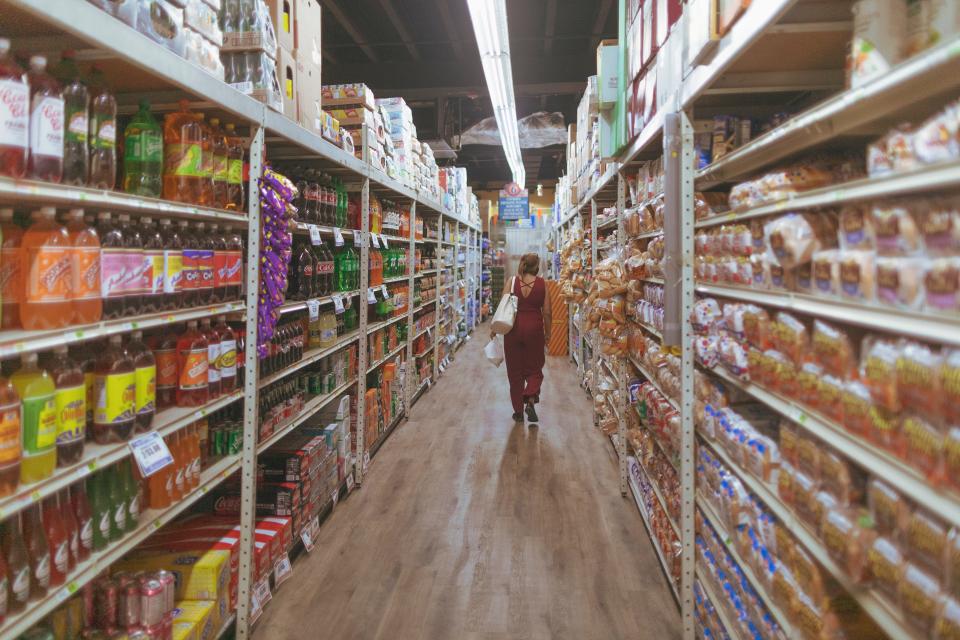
(14, 98)
(226, 504)
(53, 113)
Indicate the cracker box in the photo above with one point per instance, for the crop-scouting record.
(201, 575)
(355, 94)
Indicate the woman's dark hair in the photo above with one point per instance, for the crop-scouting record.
(530, 264)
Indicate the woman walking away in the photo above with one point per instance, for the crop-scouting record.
(525, 344)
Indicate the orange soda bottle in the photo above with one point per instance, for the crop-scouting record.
(47, 272)
(11, 274)
(9, 438)
(85, 269)
(182, 156)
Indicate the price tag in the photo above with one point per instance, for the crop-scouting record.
(337, 237)
(374, 241)
(245, 88)
(366, 461)
(371, 296)
(337, 304)
(256, 608)
(350, 482)
(429, 332)
(282, 570)
(383, 241)
(313, 308)
(315, 527)
(314, 234)
(335, 497)
(262, 591)
(151, 453)
(307, 540)
(383, 290)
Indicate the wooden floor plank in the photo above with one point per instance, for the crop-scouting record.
(469, 526)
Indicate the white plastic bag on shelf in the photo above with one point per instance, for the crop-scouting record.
(494, 351)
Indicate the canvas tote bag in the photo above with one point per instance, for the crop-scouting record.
(506, 313)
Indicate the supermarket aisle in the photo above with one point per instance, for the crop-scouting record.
(470, 527)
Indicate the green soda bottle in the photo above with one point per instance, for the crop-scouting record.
(98, 494)
(143, 154)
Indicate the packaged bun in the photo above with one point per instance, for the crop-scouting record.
(808, 383)
(950, 386)
(924, 446)
(855, 400)
(951, 457)
(791, 337)
(832, 349)
(897, 233)
(856, 228)
(900, 281)
(920, 597)
(880, 373)
(806, 571)
(889, 510)
(847, 542)
(840, 479)
(947, 626)
(887, 565)
(941, 283)
(830, 401)
(940, 227)
(826, 272)
(857, 276)
(791, 240)
(925, 541)
(918, 380)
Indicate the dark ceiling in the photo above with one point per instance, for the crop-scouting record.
(424, 51)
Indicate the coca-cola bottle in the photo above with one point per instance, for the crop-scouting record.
(152, 300)
(233, 264)
(218, 245)
(46, 123)
(303, 272)
(14, 115)
(103, 134)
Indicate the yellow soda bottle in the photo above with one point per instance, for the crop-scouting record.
(39, 424)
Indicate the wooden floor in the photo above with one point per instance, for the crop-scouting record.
(470, 527)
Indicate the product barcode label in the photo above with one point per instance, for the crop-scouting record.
(245, 88)
(337, 303)
(151, 453)
(337, 237)
(314, 234)
(313, 307)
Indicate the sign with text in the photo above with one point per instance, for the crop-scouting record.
(514, 202)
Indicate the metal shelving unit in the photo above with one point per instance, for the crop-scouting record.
(149, 67)
(741, 73)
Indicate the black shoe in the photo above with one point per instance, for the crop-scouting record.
(532, 413)
(518, 417)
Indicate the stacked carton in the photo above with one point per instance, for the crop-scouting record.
(398, 120)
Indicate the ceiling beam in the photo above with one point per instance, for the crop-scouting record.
(600, 23)
(351, 29)
(329, 57)
(550, 27)
(520, 91)
(388, 9)
(451, 27)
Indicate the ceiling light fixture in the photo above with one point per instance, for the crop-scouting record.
(489, 19)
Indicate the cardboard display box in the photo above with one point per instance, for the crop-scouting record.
(354, 94)
(283, 16)
(287, 73)
(307, 31)
(309, 91)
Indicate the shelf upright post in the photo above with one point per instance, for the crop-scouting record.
(593, 274)
(409, 389)
(678, 304)
(248, 462)
(622, 368)
(363, 350)
(437, 307)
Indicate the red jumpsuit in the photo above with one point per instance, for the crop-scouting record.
(524, 345)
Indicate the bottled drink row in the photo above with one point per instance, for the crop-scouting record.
(50, 407)
(292, 337)
(61, 127)
(80, 270)
(322, 199)
(282, 401)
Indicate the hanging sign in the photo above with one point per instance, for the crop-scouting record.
(282, 570)
(375, 240)
(371, 296)
(337, 237)
(514, 202)
(314, 234)
(383, 241)
(337, 304)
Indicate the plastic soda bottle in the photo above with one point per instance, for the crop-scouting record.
(190, 266)
(213, 357)
(143, 154)
(47, 273)
(145, 382)
(9, 438)
(134, 285)
(83, 356)
(18, 564)
(160, 486)
(165, 356)
(232, 268)
(38, 551)
(132, 499)
(218, 247)
(71, 403)
(39, 419)
(221, 164)
(207, 162)
(14, 115)
(103, 134)
(205, 262)
(235, 197)
(113, 267)
(76, 105)
(115, 390)
(46, 123)
(152, 300)
(70, 525)
(172, 266)
(192, 363)
(11, 268)
(182, 156)
(118, 501)
(58, 542)
(227, 362)
(101, 514)
(85, 269)
(81, 509)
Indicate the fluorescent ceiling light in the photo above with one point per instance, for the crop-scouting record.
(493, 42)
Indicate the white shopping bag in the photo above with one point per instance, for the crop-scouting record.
(494, 351)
